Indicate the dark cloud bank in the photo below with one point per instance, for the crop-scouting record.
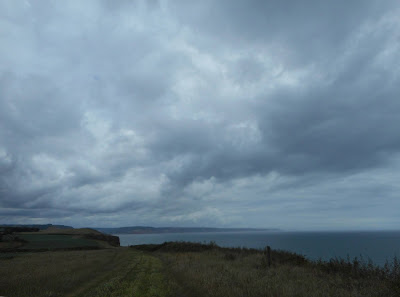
(228, 113)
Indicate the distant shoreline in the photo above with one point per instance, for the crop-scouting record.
(165, 230)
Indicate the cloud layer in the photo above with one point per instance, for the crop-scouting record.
(236, 113)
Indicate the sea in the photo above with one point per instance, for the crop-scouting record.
(378, 246)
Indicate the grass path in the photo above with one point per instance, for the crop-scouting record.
(182, 270)
(141, 275)
(115, 272)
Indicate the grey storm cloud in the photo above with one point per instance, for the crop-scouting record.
(228, 113)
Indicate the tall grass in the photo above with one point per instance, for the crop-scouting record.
(209, 270)
(190, 269)
(52, 274)
(118, 272)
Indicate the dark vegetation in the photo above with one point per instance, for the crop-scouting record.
(210, 270)
(36, 226)
(27, 239)
(118, 272)
(184, 269)
(4, 230)
(110, 239)
(54, 241)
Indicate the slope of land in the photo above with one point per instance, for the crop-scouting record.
(189, 269)
(38, 226)
(71, 231)
(96, 273)
(30, 239)
(208, 270)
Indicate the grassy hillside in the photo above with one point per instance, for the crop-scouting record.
(95, 273)
(36, 241)
(54, 238)
(189, 269)
(80, 231)
(208, 270)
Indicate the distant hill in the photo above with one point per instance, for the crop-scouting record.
(39, 226)
(25, 239)
(155, 230)
(79, 231)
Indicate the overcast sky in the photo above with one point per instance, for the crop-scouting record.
(276, 114)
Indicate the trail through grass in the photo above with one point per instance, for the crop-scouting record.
(188, 270)
(143, 277)
(112, 272)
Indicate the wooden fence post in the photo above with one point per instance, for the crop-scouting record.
(268, 256)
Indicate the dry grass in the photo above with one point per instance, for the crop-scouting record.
(210, 274)
(144, 277)
(187, 269)
(216, 272)
(55, 273)
(95, 273)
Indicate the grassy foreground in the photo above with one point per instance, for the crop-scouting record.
(208, 270)
(188, 269)
(93, 273)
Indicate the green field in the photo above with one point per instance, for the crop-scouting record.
(94, 273)
(46, 241)
(187, 269)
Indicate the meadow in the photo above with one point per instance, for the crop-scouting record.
(208, 270)
(86, 273)
(45, 241)
(189, 269)
(53, 239)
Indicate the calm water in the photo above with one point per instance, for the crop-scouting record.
(378, 246)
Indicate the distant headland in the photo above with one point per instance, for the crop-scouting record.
(158, 230)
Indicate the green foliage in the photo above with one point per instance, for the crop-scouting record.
(95, 273)
(55, 273)
(190, 269)
(143, 278)
(208, 270)
(177, 246)
(46, 241)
